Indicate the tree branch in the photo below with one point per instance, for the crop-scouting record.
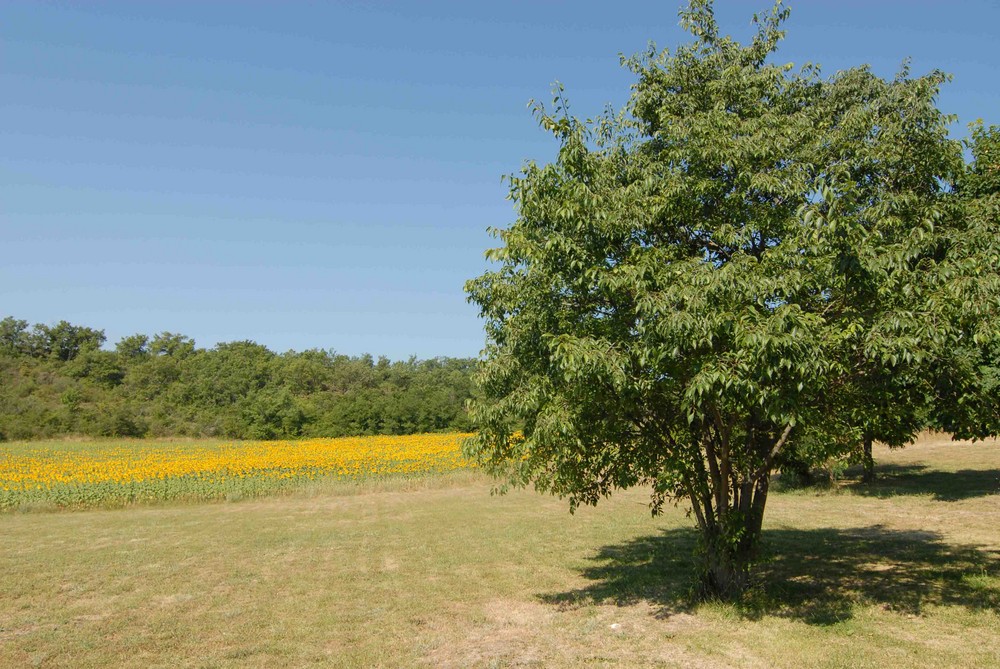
(717, 483)
(769, 459)
(695, 502)
(706, 494)
(723, 432)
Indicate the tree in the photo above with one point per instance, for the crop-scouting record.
(722, 271)
(959, 396)
(64, 341)
(171, 344)
(967, 391)
(15, 340)
(133, 347)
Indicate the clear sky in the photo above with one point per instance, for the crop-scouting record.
(322, 175)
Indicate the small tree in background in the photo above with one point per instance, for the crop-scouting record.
(745, 260)
(967, 392)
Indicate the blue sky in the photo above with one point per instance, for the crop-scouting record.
(321, 175)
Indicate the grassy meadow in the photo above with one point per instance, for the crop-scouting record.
(433, 571)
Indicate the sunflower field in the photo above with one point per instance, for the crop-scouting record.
(122, 472)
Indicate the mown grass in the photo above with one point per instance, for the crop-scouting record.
(439, 573)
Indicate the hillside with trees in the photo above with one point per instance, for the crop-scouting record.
(60, 380)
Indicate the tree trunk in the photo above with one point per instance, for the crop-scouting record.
(729, 547)
(869, 463)
(726, 573)
(729, 505)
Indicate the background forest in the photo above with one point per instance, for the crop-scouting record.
(58, 380)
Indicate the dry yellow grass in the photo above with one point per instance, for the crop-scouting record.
(906, 573)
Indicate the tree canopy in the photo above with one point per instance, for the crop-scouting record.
(749, 259)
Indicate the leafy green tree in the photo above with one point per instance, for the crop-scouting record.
(967, 394)
(169, 343)
(721, 272)
(961, 396)
(64, 341)
(892, 408)
(14, 337)
(97, 366)
(270, 414)
(132, 348)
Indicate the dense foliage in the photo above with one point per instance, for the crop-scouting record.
(747, 264)
(57, 380)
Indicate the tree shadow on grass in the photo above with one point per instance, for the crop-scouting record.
(657, 569)
(894, 480)
(816, 576)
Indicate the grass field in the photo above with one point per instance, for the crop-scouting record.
(435, 572)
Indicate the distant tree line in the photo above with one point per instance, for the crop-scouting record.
(58, 380)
